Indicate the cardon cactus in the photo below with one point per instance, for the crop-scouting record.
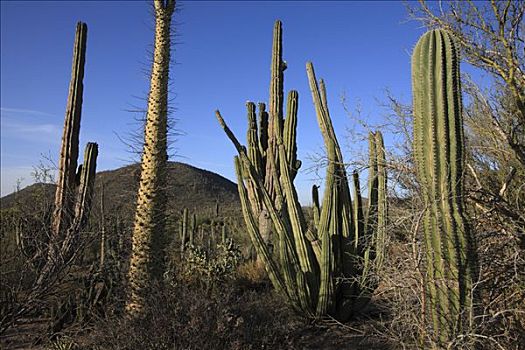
(439, 157)
(74, 187)
(263, 149)
(321, 266)
(147, 263)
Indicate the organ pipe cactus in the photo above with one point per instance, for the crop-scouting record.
(74, 190)
(262, 140)
(146, 263)
(439, 157)
(318, 266)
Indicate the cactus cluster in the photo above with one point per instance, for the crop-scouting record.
(322, 267)
(204, 234)
(439, 157)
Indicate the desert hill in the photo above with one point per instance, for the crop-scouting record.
(188, 187)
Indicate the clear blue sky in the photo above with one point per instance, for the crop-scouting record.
(222, 60)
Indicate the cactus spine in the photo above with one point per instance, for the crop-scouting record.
(438, 152)
(147, 259)
(316, 266)
(74, 188)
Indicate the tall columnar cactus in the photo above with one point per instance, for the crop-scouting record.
(319, 266)
(74, 188)
(262, 140)
(147, 255)
(438, 152)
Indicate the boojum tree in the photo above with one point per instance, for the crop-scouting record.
(146, 262)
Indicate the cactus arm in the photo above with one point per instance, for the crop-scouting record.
(298, 225)
(87, 183)
(290, 272)
(276, 83)
(275, 115)
(223, 234)
(64, 197)
(324, 99)
(263, 132)
(255, 236)
(289, 133)
(373, 184)
(320, 111)
(255, 157)
(326, 263)
(240, 148)
(343, 245)
(83, 201)
(365, 246)
(315, 204)
(382, 205)
(361, 236)
(253, 139)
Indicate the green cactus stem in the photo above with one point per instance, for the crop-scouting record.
(184, 231)
(316, 265)
(223, 234)
(74, 187)
(438, 152)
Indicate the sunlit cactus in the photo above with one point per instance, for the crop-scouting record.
(318, 266)
(74, 187)
(146, 263)
(439, 157)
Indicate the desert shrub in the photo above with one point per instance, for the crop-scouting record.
(207, 266)
(182, 316)
(250, 272)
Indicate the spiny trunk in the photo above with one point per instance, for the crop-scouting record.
(146, 262)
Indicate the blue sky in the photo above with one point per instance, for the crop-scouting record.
(222, 56)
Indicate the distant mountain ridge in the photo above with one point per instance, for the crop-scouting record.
(189, 187)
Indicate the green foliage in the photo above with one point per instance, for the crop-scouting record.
(211, 266)
(63, 343)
